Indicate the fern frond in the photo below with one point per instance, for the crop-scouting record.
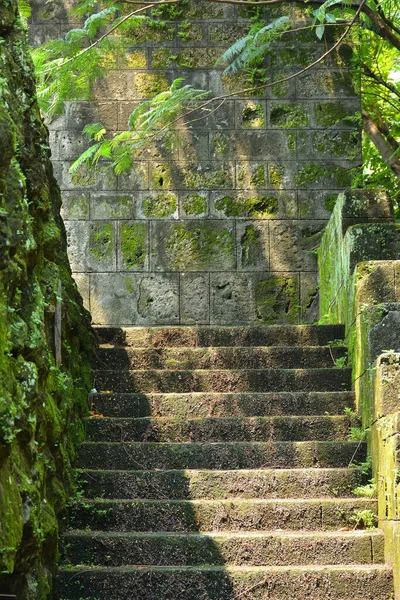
(253, 46)
(24, 9)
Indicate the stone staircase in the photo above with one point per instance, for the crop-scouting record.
(216, 467)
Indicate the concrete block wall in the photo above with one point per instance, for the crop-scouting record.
(218, 223)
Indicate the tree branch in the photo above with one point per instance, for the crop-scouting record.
(375, 77)
(383, 30)
(381, 144)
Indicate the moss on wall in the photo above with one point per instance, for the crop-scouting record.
(41, 400)
(363, 295)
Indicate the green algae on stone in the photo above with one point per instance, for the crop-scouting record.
(289, 115)
(277, 300)
(329, 113)
(162, 58)
(160, 176)
(243, 206)
(320, 173)
(253, 116)
(208, 179)
(250, 246)
(160, 205)
(101, 241)
(276, 173)
(133, 245)
(194, 204)
(148, 85)
(137, 59)
(199, 247)
(220, 143)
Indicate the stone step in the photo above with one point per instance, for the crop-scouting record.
(277, 357)
(251, 548)
(245, 380)
(220, 404)
(268, 335)
(197, 484)
(355, 582)
(221, 456)
(216, 515)
(216, 429)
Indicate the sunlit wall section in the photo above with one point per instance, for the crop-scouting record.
(219, 222)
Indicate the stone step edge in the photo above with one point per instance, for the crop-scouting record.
(223, 394)
(341, 500)
(271, 471)
(244, 419)
(268, 533)
(232, 568)
(131, 349)
(157, 371)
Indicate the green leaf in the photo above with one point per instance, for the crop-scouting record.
(320, 30)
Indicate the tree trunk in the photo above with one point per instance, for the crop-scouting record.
(382, 145)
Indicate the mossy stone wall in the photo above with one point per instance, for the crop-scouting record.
(41, 396)
(365, 295)
(219, 223)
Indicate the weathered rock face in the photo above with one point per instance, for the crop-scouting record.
(218, 228)
(45, 339)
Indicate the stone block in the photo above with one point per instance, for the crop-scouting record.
(78, 114)
(251, 114)
(134, 179)
(192, 246)
(325, 174)
(384, 336)
(113, 205)
(75, 205)
(292, 245)
(333, 143)
(193, 206)
(288, 115)
(83, 283)
(107, 114)
(276, 298)
(113, 299)
(158, 299)
(124, 111)
(133, 246)
(309, 299)
(325, 84)
(192, 145)
(226, 34)
(126, 299)
(222, 115)
(372, 241)
(72, 144)
(375, 283)
(257, 204)
(334, 114)
(147, 85)
(270, 145)
(158, 205)
(251, 175)
(316, 204)
(231, 299)
(84, 178)
(91, 246)
(117, 85)
(54, 143)
(366, 205)
(206, 175)
(282, 88)
(195, 298)
(252, 245)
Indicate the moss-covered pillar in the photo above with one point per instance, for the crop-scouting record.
(41, 401)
